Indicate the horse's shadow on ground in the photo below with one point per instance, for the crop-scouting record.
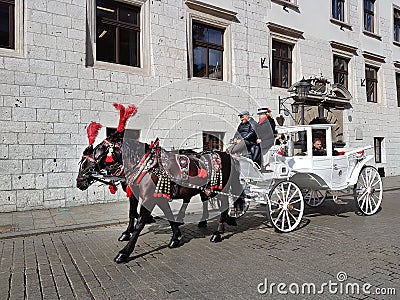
(254, 219)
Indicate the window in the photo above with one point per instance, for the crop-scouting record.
(371, 83)
(378, 149)
(369, 15)
(398, 88)
(7, 21)
(281, 64)
(117, 33)
(213, 140)
(396, 29)
(338, 10)
(340, 70)
(208, 51)
(133, 134)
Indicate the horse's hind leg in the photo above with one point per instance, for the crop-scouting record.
(205, 216)
(176, 234)
(217, 235)
(123, 254)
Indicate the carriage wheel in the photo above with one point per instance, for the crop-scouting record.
(234, 211)
(314, 198)
(286, 206)
(368, 191)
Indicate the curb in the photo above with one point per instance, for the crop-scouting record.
(27, 233)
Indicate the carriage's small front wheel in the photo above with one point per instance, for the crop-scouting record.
(286, 206)
(368, 190)
(314, 198)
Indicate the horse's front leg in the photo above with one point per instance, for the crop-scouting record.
(123, 254)
(133, 214)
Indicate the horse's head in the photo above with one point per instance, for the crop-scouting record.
(106, 156)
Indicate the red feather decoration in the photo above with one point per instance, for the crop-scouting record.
(124, 115)
(92, 131)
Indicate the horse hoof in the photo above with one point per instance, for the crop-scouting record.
(121, 258)
(124, 237)
(202, 224)
(173, 244)
(216, 238)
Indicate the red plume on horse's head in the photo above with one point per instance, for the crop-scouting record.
(92, 131)
(124, 114)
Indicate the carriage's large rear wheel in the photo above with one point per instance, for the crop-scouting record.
(368, 190)
(286, 206)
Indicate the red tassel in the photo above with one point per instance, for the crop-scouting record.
(92, 131)
(166, 196)
(220, 187)
(113, 189)
(109, 158)
(129, 192)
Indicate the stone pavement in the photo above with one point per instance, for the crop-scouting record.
(25, 223)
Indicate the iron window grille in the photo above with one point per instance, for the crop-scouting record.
(281, 64)
(7, 24)
(117, 33)
(340, 70)
(371, 82)
(208, 49)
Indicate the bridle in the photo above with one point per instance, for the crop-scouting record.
(94, 173)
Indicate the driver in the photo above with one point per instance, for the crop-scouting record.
(246, 136)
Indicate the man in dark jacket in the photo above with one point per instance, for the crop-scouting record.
(246, 136)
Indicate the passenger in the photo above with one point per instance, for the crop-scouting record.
(318, 150)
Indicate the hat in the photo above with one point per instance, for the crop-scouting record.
(263, 110)
(242, 113)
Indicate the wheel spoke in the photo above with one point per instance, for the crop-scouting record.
(283, 220)
(288, 219)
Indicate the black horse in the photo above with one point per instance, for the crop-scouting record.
(228, 184)
(104, 163)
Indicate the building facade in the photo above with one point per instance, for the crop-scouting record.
(189, 66)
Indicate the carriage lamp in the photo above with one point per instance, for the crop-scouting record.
(302, 89)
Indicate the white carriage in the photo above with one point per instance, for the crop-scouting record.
(291, 176)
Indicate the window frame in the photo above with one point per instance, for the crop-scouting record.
(144, 48)
(281, 60)
(335, 10)
(17, 36)
(397, 80)
(215, 134)
(368, 12)
(118, 25)
(378, 149)
(396, 25)
(214, 17)
(346, 72)
(208, 46)
(373, 80)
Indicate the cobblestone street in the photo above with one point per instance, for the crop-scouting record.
(79, 264)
